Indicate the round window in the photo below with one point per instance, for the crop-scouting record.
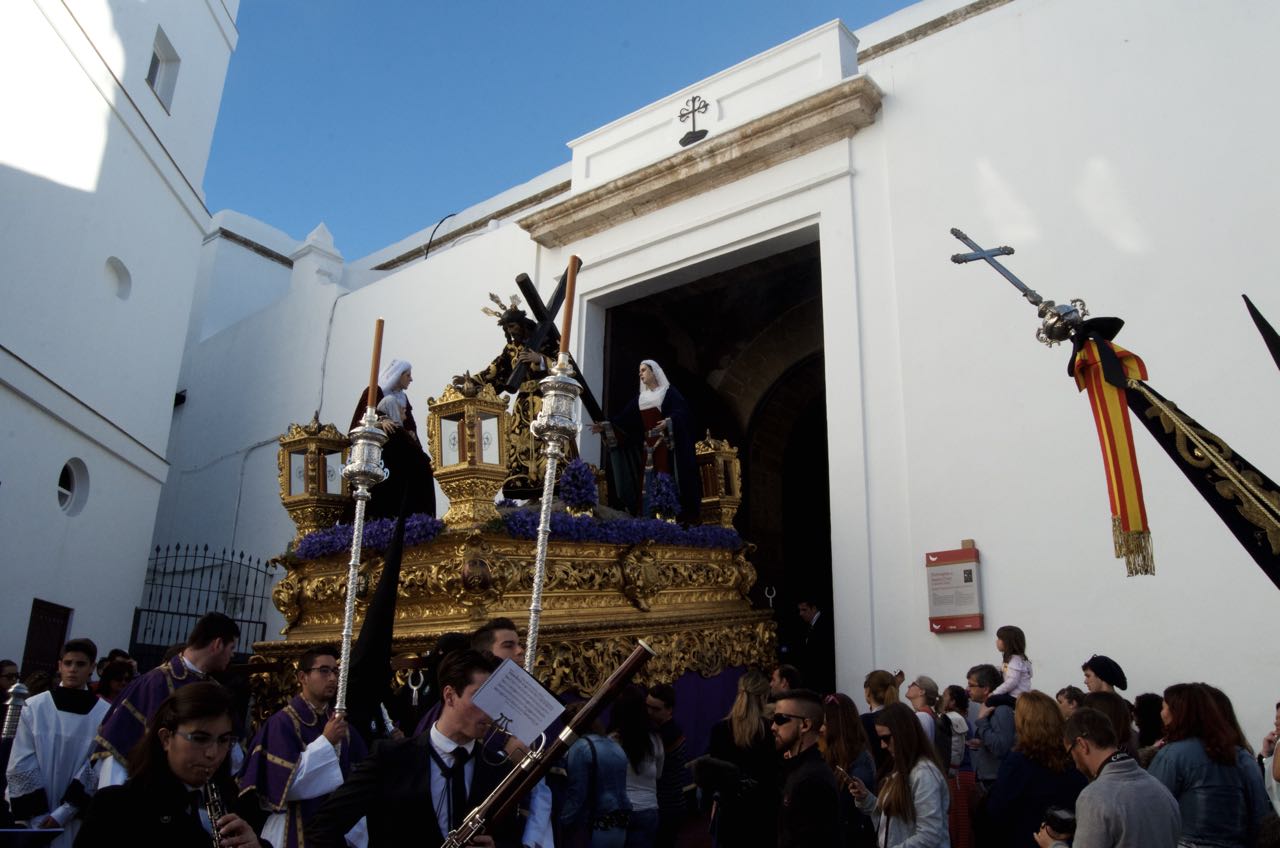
(73, 486)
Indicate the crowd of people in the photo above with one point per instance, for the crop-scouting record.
(160, 759)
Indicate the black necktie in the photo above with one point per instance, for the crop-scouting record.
(458, 787)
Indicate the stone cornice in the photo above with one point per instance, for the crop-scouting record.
(790, 132)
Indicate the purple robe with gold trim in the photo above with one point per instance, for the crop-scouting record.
(127, 719)
(274, 757)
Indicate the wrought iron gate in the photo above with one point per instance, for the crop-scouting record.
(184, 582)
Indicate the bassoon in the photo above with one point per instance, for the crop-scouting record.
(526, 774)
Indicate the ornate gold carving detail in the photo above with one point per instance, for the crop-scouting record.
(271, 690)
(688, 603)
(287, 596)
(642, 579)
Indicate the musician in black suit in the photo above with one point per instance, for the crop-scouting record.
(414, 791)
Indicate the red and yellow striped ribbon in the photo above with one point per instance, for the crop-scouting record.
(1129, 527)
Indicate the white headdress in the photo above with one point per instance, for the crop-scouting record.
(653, 398)
(389, 379)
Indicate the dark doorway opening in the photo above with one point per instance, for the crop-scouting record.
(741, 338)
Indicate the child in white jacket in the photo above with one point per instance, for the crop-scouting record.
(1012, 643)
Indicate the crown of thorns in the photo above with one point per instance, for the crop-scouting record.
(507, 311)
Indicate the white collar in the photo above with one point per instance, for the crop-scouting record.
(445, 746)
(189, 664)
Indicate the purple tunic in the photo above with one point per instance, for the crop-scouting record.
(127, 719)
(274, 756)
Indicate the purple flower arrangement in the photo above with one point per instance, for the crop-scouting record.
(418, 530)
(578, 486)
(664, 499)
(523, 524)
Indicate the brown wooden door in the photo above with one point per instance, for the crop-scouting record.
(46, 633)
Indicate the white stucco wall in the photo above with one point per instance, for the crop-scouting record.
(100, 236)
(1126, 159)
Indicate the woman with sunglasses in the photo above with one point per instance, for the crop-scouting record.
(845, 748)
(910, 810)
(179, 764)
(1215, 781)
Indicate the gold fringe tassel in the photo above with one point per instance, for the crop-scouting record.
(1135, 547)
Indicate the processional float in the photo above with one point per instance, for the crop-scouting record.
(556, 425)
(1246, 500)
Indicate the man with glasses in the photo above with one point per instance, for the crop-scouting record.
(1123, 806)
(810, 808)
(49, 766)
(302, 753)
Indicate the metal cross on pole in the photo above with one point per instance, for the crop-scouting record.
(1058, 323)
(989, 256)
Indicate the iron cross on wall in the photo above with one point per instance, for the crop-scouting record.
(693, 107)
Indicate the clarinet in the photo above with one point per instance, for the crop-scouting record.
(214, 807)
(526, 773)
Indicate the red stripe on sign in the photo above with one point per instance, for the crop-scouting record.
(951, 557)
(955, 623)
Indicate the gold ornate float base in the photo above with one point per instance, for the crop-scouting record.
(689, 604)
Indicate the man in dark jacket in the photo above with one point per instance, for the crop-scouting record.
(414, 791)
(809, 814)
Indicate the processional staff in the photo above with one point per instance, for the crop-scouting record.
(556, 426)
(364, 469)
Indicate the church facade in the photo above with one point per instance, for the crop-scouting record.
(791, 271)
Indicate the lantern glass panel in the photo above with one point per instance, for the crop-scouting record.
(333, 473)
(453, 445)
(298, 472)
(489, 440)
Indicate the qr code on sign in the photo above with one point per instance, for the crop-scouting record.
(968, 575)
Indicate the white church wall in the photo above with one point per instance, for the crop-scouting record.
(93, 561)
(98, 269)
(202, 35)
(1122, 175)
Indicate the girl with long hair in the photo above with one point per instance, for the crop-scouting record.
(911, 807)
(1036, 774)
(178, 766)
(1215, 780)
(1011, 642)
(629, 726)
(745, 812)
(846, 750)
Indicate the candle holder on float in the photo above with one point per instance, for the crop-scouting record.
(467, 434)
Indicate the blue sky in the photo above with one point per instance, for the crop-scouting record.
(381, 117)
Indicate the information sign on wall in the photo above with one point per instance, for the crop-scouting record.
(955, 602)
